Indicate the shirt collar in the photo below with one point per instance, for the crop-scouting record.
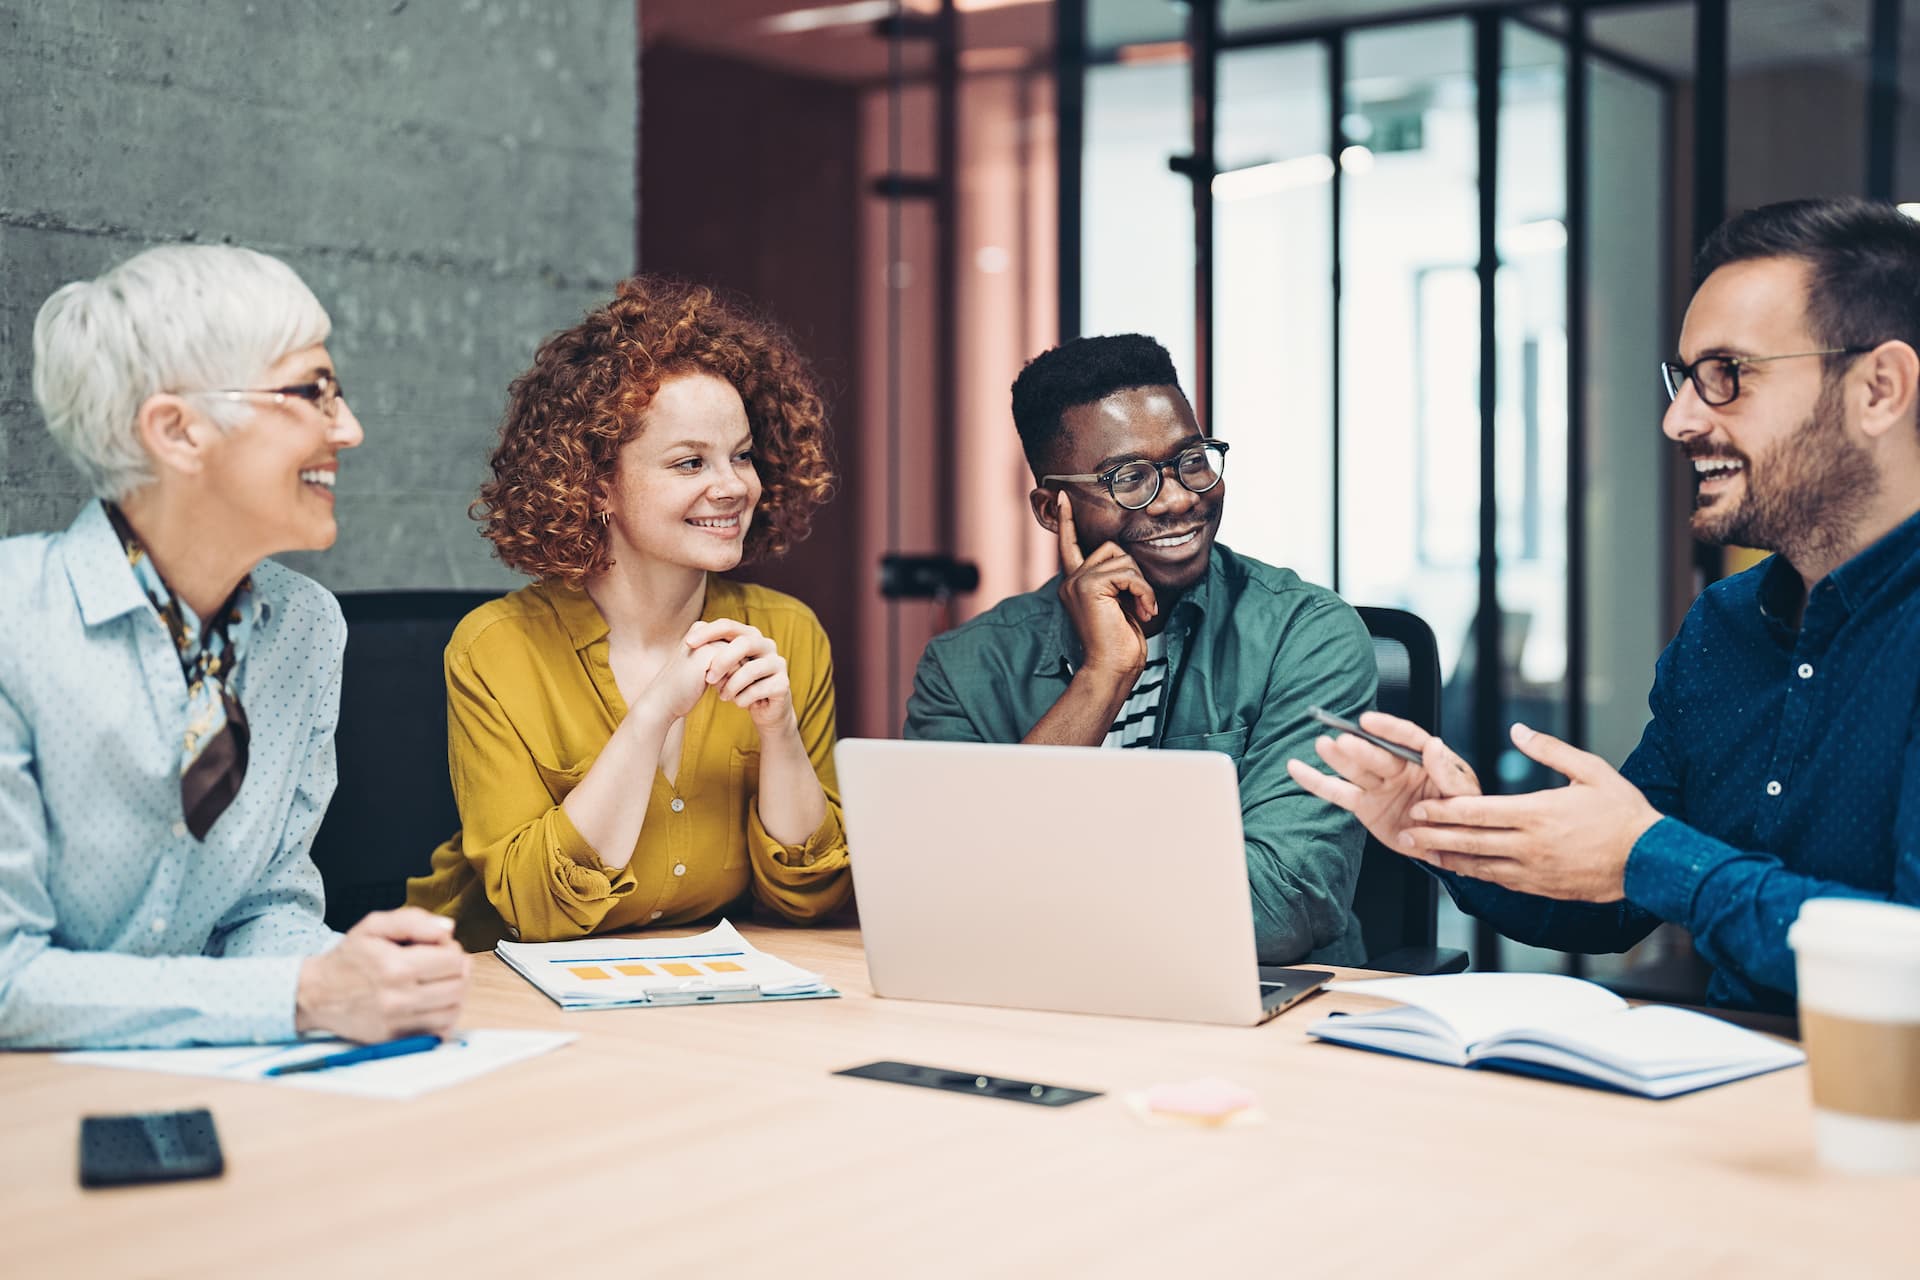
(1856, 580)
(1780, 594)
(1063, 649)
(586, 626)
(97, 567)
(577, 613)
(104, 583)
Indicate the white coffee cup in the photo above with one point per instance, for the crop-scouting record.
(1858, 964)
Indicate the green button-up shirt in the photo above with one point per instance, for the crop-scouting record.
(1249, 649)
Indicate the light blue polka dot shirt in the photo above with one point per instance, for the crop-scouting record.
(117, 927)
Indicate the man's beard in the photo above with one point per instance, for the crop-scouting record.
(1803, 497)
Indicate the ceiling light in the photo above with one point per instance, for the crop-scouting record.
(1548, 235)
(1269, 179)
(859, 12)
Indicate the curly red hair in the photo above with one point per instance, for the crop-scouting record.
(587, 395)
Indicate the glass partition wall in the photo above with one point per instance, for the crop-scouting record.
(1431, 406)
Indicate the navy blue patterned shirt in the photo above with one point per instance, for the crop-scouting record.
(1788, 765)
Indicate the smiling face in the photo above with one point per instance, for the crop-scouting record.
(1172, 537)
(684, 489)
(1779, 468)
(273, 475)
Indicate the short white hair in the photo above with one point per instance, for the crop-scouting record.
(179, 318)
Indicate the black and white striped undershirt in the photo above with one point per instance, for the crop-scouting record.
(1137, 719)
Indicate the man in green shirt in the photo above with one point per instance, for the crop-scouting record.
(1153, 635)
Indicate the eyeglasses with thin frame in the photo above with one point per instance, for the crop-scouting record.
(1135, 482)
(323, 393)
(1717, 378)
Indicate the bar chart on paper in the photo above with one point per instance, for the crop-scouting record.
(715, 967)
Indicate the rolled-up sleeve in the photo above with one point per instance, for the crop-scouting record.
(934, 709)
(535, 867)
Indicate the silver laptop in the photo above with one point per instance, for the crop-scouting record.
(1073, 879)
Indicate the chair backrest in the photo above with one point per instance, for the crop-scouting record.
(1396, 900)
(394, 803)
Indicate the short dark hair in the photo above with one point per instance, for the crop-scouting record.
(1863, 288)
(1079, 372)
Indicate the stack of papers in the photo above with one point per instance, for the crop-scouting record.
(715, 967)
(1556, 1027)
(458, 1059)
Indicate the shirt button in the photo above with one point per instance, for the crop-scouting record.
(679, 868)
(179, 829)
(1806, 671)
(159, 924)
(656, 915)
(1773, 788)
(513, 933)
(678, 804)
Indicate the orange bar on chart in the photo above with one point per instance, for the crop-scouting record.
(635, 970)
(724, 966)
(680, 970)
(591, 975)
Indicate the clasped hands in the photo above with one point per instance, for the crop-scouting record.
(1568, 842)
(737, 662)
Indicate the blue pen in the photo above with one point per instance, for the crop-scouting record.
(364, 1053)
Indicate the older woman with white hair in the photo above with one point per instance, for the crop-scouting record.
(168, 695)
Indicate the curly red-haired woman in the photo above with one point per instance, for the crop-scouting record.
(635, 740)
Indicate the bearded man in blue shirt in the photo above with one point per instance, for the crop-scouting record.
(1782, 761)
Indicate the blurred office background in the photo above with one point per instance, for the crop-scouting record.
(1417, 262)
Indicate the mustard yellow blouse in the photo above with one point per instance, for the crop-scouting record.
(531, 700)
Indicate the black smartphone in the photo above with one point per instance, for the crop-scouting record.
(163, 1146)
(1345, 725)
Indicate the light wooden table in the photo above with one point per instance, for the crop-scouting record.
(715, 1141)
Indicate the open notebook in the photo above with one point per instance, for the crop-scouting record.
(1560, 1028)
(715, 967)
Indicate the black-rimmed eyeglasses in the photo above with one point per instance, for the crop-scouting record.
(1135, 483)
(1717, 378)
(323, 393)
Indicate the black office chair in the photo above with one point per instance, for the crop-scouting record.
(1396, 899)
(394, 803)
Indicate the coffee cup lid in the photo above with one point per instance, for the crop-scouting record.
(1856, 925)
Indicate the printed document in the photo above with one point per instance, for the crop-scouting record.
(460, 1058)
(715, 967)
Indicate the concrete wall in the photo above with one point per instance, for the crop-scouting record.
(454, 178)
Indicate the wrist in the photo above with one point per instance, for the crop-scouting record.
(1104, 688)
(782, 731)
(1643, 822)
(306, 995)
(1107, 680)
(646, 718)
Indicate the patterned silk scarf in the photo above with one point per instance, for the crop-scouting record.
(213, 762)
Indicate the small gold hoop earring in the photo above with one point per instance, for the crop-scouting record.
(604, 517)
